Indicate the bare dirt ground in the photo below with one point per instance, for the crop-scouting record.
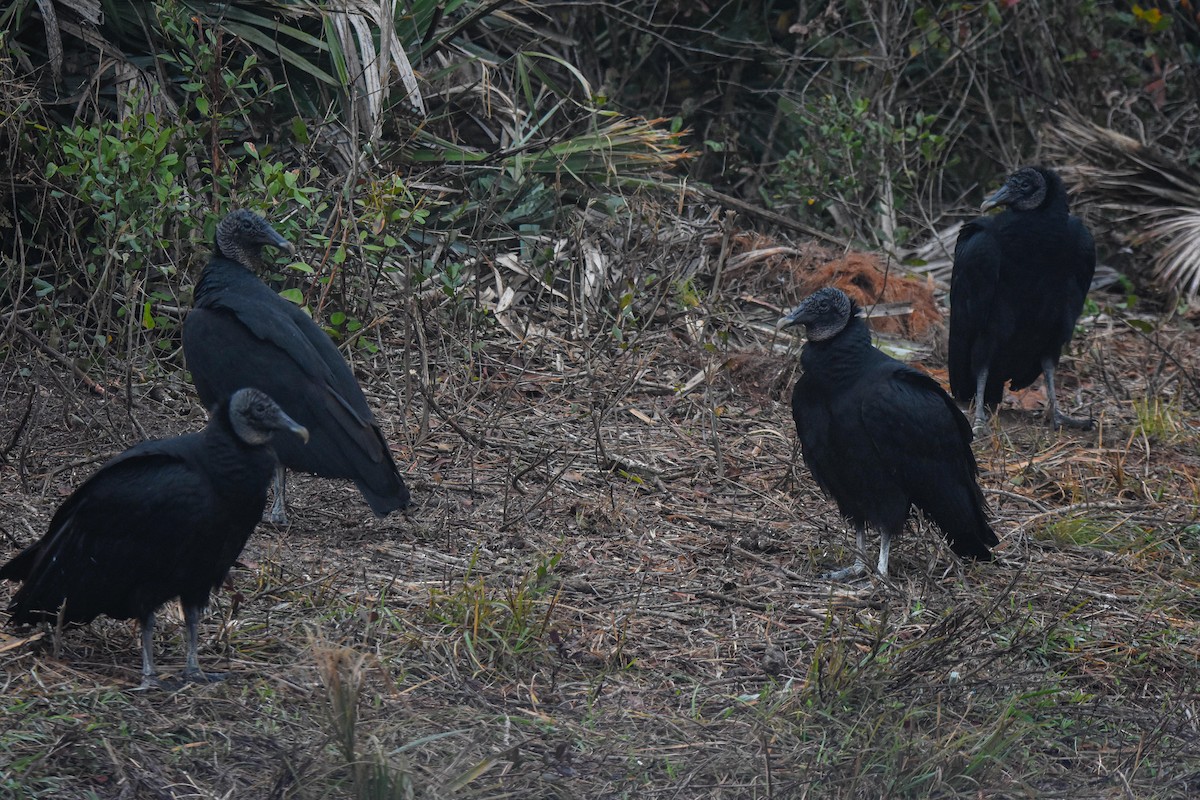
(608, 587)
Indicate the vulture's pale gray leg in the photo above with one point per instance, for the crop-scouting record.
(192, 672)
(1057, 418)
(980, 412)
(859, 566)
(279, 509)
(149, 680)
(885, 546)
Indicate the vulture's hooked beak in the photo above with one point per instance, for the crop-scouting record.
(794, 317)
(286, 423)
(281, 243)
(1000, 197)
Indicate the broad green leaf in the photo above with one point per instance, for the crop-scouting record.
(293, 296)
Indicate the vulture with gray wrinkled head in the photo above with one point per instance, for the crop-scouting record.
(241, 333)
(166, 518)
(1019, 282)
(880, 437)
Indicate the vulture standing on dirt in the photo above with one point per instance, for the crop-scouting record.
(241, 333)
(166, 518)
(881, 437)
(1018, 286)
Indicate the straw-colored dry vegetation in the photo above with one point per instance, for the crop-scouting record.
(553, 242)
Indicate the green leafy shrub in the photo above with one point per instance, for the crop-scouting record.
(851, 167)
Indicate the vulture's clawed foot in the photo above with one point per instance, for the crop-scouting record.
(200, 676)
(846, 573)
(150, 683)
(981, 421)
(155, 683)
(1060, 421)
(278, 513)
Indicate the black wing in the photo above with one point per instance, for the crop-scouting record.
(834, 450)
(915, 428)
(1083, 253)
(973, 295)
(813, 429)
(247, 327)
(247, 335)
(117, 545)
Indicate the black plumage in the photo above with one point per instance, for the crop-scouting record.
(164, 519)
(881, 437)
(241, 333)
(1019, 282)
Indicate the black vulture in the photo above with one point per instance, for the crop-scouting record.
(164, 519)
(1019, 282)
(241, 333)
(881, 437)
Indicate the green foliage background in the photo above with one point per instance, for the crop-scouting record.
(130, 131)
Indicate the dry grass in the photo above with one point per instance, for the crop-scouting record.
(608, 587)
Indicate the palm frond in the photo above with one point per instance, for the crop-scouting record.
(615, 148)
(1151, 196)
(1178, 261)
(359, 39)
